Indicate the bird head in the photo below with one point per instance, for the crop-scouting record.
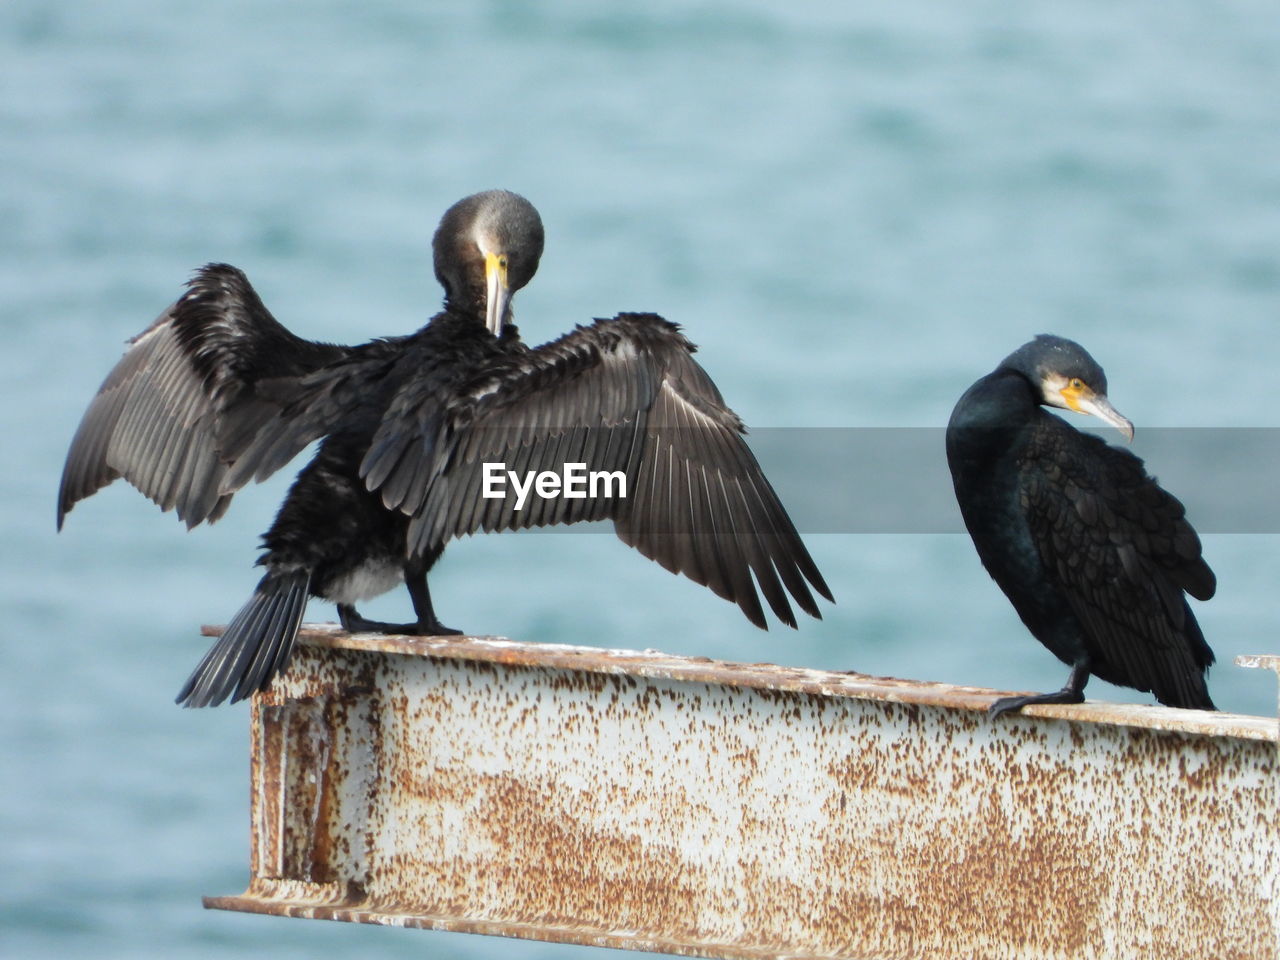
(486, 248)
(1067, 377)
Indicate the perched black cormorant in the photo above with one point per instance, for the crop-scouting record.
(1093, 554)
(216, 393)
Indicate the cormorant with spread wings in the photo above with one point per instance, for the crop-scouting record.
(216, 393)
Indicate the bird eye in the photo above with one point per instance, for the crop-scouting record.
(1076, 383)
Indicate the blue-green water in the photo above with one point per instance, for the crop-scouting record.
(856, 210)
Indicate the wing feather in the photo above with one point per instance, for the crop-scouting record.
(620, 395)
(166, 416)
(1122, 552)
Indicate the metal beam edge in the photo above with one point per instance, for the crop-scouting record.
(655, 664)
(579, 936)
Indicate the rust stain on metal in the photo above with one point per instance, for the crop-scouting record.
(640, 800)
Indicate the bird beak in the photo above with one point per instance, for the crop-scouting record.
(1097, 404)
(498, 294)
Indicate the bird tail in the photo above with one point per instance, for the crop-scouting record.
(1187, 687)
(256, 645)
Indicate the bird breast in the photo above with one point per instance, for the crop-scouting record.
(371, 579)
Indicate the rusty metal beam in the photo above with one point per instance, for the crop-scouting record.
(683, 805)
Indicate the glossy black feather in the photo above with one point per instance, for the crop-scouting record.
(620, 395)
(255, 646)
(168, 416)
(1093, 554)
(1122, 552)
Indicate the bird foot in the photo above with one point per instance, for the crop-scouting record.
(352, 622)
(1013, 704)
(433, 629)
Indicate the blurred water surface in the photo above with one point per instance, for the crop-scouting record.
(855, 211)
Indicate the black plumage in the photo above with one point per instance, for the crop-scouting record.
(1095, 557)
(216, 393)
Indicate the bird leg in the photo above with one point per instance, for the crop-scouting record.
(428, 625)
(415, 579)
(1073, 692)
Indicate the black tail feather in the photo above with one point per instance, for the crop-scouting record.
(256, 645)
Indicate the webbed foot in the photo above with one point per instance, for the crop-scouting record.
(1013, 704)
(352, 622)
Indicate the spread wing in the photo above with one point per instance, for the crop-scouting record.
(621, 397)
(189, 394)
(1123, 552)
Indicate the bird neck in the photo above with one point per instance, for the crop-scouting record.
(470, 324)
(991, 414)
(466, 301)
(1004, 397)
(472, 303)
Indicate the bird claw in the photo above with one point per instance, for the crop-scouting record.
(1013, 704)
